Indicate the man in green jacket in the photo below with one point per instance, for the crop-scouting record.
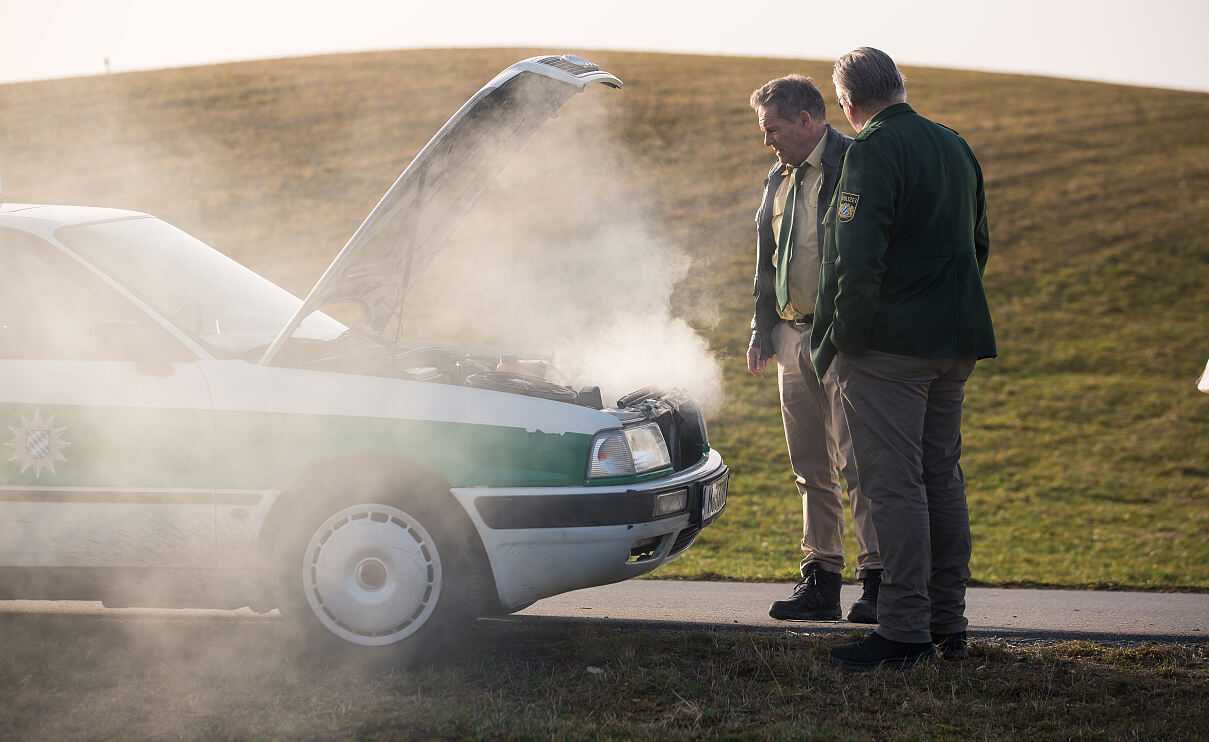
(903, 316)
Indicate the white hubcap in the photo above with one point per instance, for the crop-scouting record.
(372, 574)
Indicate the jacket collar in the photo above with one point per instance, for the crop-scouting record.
(883, 115)
(831, 151)
(891, 111)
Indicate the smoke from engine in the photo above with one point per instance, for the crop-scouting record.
(562, 256)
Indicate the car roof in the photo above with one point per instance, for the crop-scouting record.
(60, 216)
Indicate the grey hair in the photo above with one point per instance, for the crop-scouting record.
(790, 94)
(867, 78)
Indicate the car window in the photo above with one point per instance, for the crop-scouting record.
(227, 307)
(51, 308)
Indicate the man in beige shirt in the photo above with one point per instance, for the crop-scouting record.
(797, 192)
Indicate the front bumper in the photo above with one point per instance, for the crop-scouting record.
(546, 541)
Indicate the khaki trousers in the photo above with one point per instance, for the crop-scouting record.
(816, 434)
(905, 418)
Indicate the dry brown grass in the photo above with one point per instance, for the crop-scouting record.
(140, 675)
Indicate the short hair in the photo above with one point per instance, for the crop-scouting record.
(790, 94)
(868, 78)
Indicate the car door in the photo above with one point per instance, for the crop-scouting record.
(105, 421)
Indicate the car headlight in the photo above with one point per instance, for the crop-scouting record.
(629, 451)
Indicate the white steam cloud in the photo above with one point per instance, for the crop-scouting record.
(562, 257)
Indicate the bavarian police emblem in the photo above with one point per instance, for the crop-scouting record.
(38, 444)
(848, 206)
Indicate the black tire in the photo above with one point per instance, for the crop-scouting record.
(379, 573)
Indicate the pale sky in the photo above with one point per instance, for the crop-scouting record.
(1160, 43)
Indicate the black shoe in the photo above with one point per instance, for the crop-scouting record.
(864, 610)
(876, 651)
(951, 646)
(816, 597)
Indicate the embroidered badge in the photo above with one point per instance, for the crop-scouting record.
(37, 443)
(848, 203)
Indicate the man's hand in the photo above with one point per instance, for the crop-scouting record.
(755, 364)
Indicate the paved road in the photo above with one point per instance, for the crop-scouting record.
(994, 613)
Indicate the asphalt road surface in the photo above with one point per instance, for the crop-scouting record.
(995, 613)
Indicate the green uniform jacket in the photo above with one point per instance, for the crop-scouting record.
(905, 244)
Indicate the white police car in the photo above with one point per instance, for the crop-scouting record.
(179, 431)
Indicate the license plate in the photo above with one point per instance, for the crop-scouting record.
(713, 497)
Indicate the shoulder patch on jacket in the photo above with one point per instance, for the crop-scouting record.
(848, 202)
(867, 132)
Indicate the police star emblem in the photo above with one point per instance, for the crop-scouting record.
(848, 202)
(38, 443)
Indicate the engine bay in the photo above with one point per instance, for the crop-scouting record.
(361, 353)
(677, 415)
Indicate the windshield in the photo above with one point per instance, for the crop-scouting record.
(226, 307)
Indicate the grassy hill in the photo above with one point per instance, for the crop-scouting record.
(1087, 445)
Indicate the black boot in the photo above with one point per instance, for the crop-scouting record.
(816, 597)
(876, 651)
(864, 610)
(951, 646)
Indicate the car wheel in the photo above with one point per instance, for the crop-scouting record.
(378, 578)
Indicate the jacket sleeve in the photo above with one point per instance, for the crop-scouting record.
(982, 234)
(757, 337)
(765, 316)
(869, 185)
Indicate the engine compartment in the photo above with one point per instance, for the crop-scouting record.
(677, 415)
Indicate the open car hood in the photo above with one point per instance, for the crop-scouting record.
(405, 230)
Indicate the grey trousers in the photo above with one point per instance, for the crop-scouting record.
(816, 434)
(905, 418)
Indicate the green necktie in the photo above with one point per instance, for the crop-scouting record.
(785, 243)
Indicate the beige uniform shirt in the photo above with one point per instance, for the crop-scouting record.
(804, 263)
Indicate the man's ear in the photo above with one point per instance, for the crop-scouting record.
(850, 113)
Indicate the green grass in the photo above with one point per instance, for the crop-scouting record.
(144, 677)
(1085, 441)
